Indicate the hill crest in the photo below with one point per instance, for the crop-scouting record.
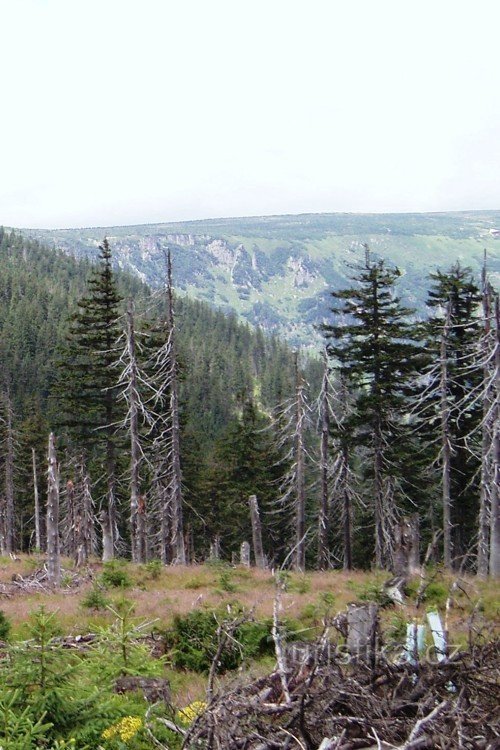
(277, 271)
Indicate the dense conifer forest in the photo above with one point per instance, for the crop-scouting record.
(143, 433)
(172, 414)
(230, 380)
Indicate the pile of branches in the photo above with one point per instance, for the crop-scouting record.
(443, 705)
(38, 582)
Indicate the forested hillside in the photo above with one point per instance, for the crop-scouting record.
(277, 271)
(167, 416)
(227, 373)
(38, 288)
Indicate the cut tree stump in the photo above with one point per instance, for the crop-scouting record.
(362, 631)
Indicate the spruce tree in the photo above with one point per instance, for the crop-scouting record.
(371, 344)
(244, 463)
(87, 391)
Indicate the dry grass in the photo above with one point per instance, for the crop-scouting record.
(177, 590)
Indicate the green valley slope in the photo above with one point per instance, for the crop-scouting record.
(278, 271)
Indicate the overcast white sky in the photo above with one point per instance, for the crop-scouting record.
(137, 111)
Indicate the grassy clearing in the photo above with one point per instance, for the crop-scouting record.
(158, 593)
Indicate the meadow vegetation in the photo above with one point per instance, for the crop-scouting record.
(163, 622)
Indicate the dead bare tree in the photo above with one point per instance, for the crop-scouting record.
(7, 532)
(53, 543)
(166, 446)
(300, 494)
(67, 524)
(176, 483)
(495, 473)
(290, 421)
(38, 535)
(445, 441)
(86, 539)
(258, 550)
(487, 347)
(131, 380)
(344, 492)
(77, 524)
(324, 511)
(338, 493)
(142, 386)
(138, 541)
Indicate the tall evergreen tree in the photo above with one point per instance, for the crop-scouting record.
(244, 463)
(87, 389)
(370, 343)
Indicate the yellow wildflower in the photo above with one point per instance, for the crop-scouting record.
(126, 728)
(188, 714)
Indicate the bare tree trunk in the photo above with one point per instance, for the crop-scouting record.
(215, 548)
(245, 554)
(178, 542)
(407, 546)
(446, 444)
(300, 496)
(258, 551)
(166, 529)
(495, 486)
(378, 492)
(190, 555)
(38, 536)
(324, 514)
(495, 508)
(86, 536)
(3, 549)
(107, 537)
(9, 478)
(112, 518)
(346, 510)
(111, 510)
(53, 544)
(136, 527)
(69, 522)
(342, 478)
(487, 438)
(278, 644)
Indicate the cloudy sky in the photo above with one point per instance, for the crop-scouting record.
(137, 111)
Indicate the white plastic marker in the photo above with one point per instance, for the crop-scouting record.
(415, 642)
(438, 634)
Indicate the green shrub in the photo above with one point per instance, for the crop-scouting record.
(315, 613)
(66, 580)
(19, 728)
(193, 641)
(436, 594)
(225, 582)
(195, 582)
(95, 599)
(309, 612)
(372, 592)
(4, 626)
(256, 639)
(397, 627)
(114, 575)
(119, 648)
(300, 585)
(154, 568)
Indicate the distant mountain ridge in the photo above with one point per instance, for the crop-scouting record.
(277, 271)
